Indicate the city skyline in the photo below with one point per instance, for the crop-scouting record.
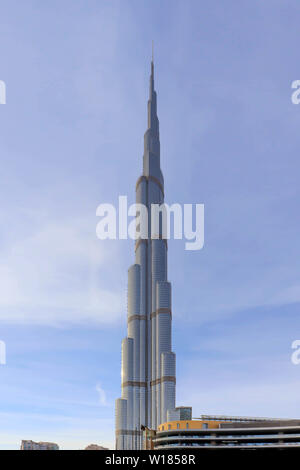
(72, 131)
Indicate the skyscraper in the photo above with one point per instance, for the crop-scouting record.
(148, 363)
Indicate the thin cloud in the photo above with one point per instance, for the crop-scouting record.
(102, 395)
(57, 275)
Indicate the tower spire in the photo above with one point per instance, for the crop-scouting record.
(152, 107)
(152, 92)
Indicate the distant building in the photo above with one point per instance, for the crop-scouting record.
(31, 445)
(180, 413)
(220, 432)
(95, 447)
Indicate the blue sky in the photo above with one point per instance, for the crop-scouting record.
(72, 137)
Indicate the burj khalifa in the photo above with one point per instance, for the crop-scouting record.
(148, 364)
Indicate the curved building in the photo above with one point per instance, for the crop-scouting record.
(223, 432)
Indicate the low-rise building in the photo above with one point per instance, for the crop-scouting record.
(31, 445)
(223, 432)
(95, 447)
